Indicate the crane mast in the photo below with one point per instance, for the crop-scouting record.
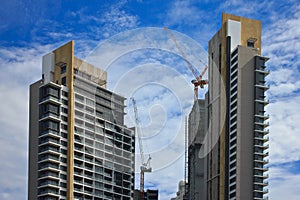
(145, 166)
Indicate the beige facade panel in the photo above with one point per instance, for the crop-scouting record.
(64, 56)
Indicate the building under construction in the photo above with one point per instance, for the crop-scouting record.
(229, 161)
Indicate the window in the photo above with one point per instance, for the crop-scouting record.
(64, 127)
(64, 143)
(64, 118)
(64, 135)
(64, 110)
(63, 176)
(64, 160)
(65, 102)
(64, 81)
(48, 124)
(63, 151)
(63, 69)
(65, 94)
(49, 108)
(49, 91)
(250, 44)
(251, 41)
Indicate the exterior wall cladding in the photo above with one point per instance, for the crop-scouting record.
(236, 163)
(79, 145)
(196, 186)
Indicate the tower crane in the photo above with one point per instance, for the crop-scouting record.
(145, 165)
(198, 81)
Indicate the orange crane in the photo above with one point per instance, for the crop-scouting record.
(198, 81)
(145, 165)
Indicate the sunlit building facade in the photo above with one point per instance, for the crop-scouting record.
(79, 147)
(237, 160)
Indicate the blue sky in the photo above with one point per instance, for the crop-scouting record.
(126, 38)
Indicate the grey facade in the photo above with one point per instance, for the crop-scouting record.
(196, 158)
(79, 147)
(246, 146)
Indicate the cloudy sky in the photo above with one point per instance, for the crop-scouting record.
(127, 39)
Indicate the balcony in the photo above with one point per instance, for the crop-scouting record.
(49, 149)
(263, 86)
(48, 157)
(258, 198)
(49, 140)
(266, 72)
(264, 154)
(51, 175)
(78, 173)
(50, 132)
(265, 131)
(264, 169)
(261, 175)
(264, 124)
(262, 101)
(263, 146)
(48, 192)
(48, 183)
(49, 99)
(263, 139)
(264, 161)
(264, 116)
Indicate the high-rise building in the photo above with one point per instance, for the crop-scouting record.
(196, 160)
(236, 144)
(79, 147)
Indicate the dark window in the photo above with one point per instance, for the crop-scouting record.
(65, 102)
(49, 125)
(250, 44)
(63, 69)
(64, 143)
(65, 94)
(49, 91)
(49, 108)
(64, 135)
(65, 110)
(64, 177)
(64, 118)
(64, 81)
(64, 127)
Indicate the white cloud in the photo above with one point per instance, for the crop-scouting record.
(283, 184)
(183, 13)
(112, 21)
(284, 126)
(20, 67)
(244, 8)
(281, 40)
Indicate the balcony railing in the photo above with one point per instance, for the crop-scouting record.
(263, 101)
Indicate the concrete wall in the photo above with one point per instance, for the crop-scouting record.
(33, 140)
(214, 123)
(245, 122)
(196, 134)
